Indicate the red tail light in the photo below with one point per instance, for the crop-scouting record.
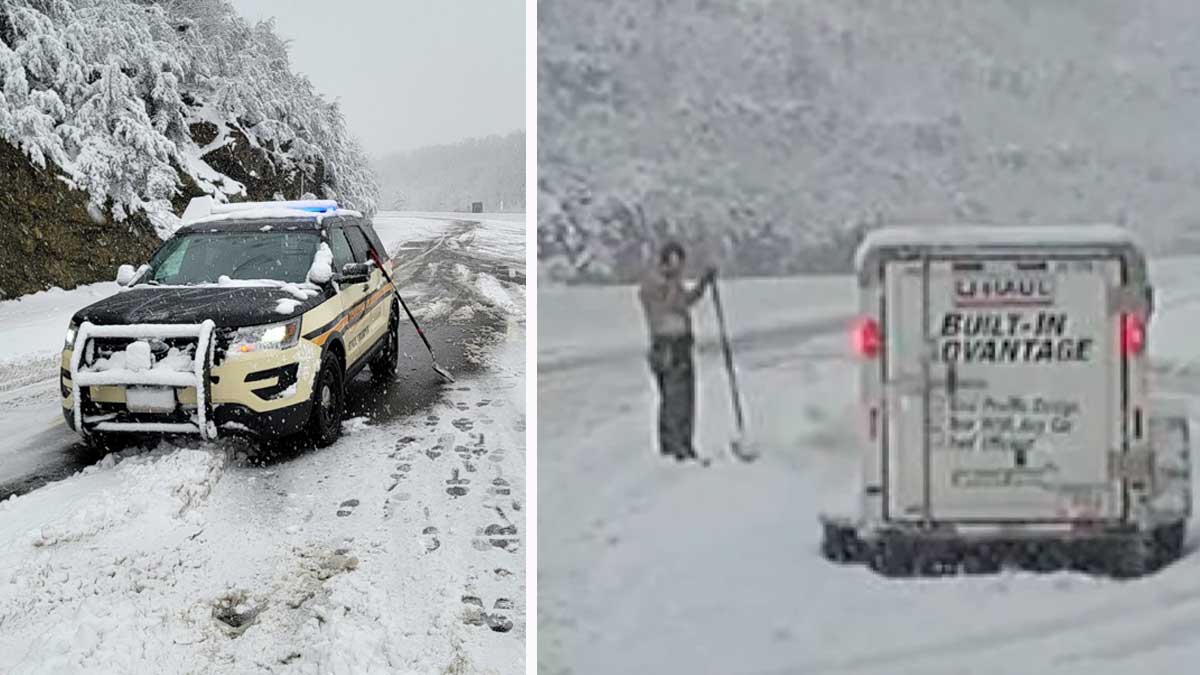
(865, 338)
(1133, 334)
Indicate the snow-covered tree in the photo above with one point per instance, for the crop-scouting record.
(111, 92)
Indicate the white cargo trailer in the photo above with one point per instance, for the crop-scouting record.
(1006, 409)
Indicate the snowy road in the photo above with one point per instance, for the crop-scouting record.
(647, 566)
(400, 548)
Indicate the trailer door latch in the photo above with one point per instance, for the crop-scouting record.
(1133, 465)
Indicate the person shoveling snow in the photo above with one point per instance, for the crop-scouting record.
(666, 303)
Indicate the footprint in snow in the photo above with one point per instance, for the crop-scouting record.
(432, 421)
(458, 486)
(483, 403)
(463, 424)
(500, 487)
(347, 507)
(444, 443)
(429, 536)
(392, 503)
(401, 444)
(461, 405)
(497, 536)
(474, 613)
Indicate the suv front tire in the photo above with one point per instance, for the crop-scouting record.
(328, 402)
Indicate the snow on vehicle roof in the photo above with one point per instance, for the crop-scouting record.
(205, 210)
(992, 236)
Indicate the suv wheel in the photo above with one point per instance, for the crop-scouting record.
(328, 401)
(97, 444)
(383, 365)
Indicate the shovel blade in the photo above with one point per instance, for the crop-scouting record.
(443, 372)
(743, 450)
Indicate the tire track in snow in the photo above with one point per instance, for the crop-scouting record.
(1084, 619)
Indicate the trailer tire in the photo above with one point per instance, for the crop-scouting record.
(892, 556)
(839, 544)
(1133, 556)
(1170, 542)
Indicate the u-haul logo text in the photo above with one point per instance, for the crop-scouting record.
(992, 291)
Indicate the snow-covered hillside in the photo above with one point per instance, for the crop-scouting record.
(450, 177)
(814, 116)
(650, 566)
(131, 101)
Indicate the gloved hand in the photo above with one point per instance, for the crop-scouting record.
(710, 276)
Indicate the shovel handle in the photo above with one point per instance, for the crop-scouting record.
(728, 352)
(413, 319)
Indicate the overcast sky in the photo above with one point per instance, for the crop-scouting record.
(409, 73)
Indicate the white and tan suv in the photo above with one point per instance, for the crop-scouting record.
(250, 319)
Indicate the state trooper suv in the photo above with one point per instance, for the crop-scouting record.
(250, 319)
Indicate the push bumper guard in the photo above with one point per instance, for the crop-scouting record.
(202, 423)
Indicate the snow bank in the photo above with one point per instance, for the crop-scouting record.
(34, 325)
(491, 289)
(159, 484)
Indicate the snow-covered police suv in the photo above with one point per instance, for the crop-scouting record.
(249, 319)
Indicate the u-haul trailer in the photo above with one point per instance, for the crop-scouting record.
(1005, 405)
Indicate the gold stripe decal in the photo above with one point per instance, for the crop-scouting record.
(352, 316)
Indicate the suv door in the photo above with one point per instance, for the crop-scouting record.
(371, 316)
(352, 295)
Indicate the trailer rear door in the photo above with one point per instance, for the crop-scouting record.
(1005, 389)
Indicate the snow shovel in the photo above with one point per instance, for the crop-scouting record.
(738, 445)
(437, 368)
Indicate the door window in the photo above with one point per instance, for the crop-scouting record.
(342, 253)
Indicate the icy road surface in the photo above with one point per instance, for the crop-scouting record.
(646, 566)
(398, 549)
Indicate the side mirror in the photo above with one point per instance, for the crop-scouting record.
(126, 274)
(355, 273)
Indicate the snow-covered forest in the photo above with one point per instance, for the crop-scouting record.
(451, 177)
(770, 135)
(135, 106)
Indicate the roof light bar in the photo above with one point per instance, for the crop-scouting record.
(203, 207)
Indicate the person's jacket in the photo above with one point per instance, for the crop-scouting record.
(666, 303)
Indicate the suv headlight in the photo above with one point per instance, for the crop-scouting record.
(72, 331)
(271, 336)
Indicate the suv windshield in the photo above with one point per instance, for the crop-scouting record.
(204, 257)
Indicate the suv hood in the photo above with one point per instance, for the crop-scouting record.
(228, 307)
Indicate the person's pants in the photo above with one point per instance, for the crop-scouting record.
(671, 363)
